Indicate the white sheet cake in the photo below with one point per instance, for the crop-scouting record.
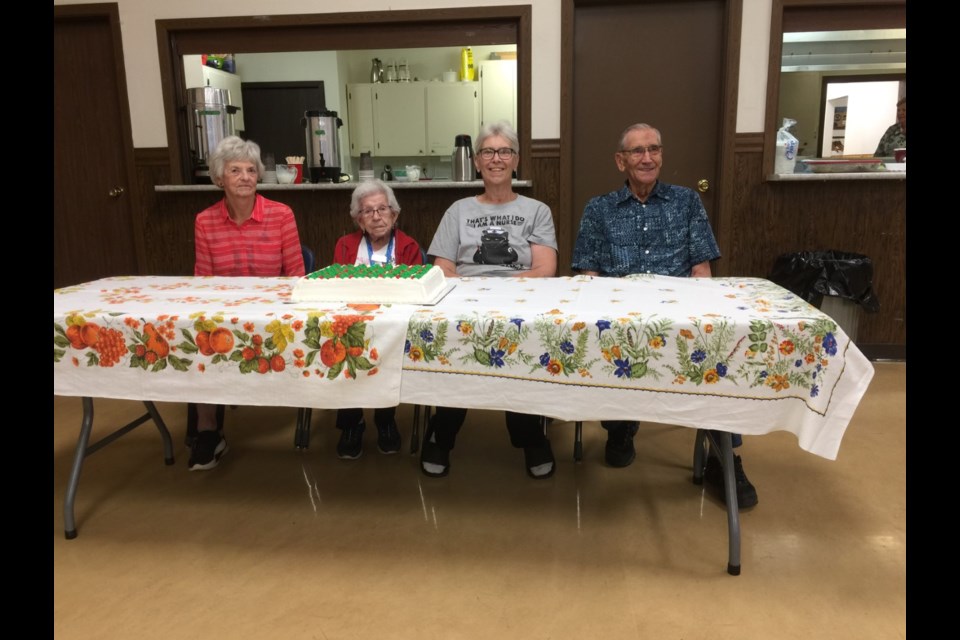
(407, 284)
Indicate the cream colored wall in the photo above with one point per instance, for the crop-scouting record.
(138, 28)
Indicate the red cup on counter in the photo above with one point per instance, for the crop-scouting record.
(299, 178)
(900, 155)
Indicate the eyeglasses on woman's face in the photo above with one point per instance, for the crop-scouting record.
(506, 153)
(382, 211)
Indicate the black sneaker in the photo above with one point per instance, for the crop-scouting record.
(620, 451)
(388, 438)
(539, 460)
(746, 492)
(351, 442)
(207, 449)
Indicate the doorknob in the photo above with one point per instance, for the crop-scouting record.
(116, 192)
(703, 185)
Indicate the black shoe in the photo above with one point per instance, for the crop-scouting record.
(539, 455)
(746, 492)
(620, 451)
(207, 450)
(433, 454)
(191, 438)
(351, 442)
(388, 438)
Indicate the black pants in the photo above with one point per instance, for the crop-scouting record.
(525, 429)
(632, 427)
(352, 417)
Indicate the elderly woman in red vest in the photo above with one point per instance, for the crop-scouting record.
(374, 209)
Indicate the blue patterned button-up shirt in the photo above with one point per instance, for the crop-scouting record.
(668, 235)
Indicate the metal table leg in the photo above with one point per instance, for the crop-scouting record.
(578, 442)
(301, 436)
(85, 449)
(421, 418)
(725, 449)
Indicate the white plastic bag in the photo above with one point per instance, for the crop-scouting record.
(786, 155)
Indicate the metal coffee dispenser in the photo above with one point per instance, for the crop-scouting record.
(463, 169)
(322, 130)
(209, 121)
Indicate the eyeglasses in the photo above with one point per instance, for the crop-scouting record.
(637, 152)
(381, 211)
(505, 154)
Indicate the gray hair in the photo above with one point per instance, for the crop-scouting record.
(234, 149)
(372, 188)
(637, 127)
(501, 128)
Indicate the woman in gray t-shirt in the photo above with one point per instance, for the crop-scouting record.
(497, 233)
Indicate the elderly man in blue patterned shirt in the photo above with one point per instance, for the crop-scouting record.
(649, 226)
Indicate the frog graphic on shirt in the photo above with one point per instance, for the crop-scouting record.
(495, 248)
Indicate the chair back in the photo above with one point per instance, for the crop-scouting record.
(308, 259)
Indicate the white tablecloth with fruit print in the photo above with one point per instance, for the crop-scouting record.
(735, 354)
(226, 341)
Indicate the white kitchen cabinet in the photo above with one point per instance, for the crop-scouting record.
(399, 124)
(360, 119)
(200, 75)
(498, 91)
(452, 109)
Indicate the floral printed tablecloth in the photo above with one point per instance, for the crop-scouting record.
(736, 354)
(224, 340)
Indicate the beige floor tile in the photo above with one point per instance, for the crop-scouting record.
(280, 543)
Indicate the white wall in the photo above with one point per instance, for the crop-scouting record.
(871, 108)
(138, 18)
(754, 55)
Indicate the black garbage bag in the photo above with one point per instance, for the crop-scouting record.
(813, 274)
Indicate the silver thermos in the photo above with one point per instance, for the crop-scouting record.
(463, 169)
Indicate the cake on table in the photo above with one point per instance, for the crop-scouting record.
(409, 284)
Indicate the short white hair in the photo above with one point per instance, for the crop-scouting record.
(372, 188)
(640, 126)
(234, 149)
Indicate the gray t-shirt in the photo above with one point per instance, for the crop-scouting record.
(493, 239)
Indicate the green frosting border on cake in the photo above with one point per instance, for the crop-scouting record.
(379, 271)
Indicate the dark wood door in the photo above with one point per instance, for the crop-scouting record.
(654, 62)
(94, 191)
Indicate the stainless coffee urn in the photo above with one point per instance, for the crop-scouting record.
(209, 121)
(463, 169)
(322, 130)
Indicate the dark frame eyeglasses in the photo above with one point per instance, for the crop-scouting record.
(506, 153)
(382, 211)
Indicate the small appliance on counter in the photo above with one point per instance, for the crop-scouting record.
(322, 129)
(463, 169)
(209, 121)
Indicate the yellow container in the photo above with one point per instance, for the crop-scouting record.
(467, 71)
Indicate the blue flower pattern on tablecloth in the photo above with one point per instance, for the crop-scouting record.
(771, 355)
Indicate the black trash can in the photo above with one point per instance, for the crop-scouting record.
(837, 282)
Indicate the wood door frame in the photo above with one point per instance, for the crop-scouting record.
(506, 24)
(729, 86)
(111, 11)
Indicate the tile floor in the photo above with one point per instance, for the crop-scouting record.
(280, 543)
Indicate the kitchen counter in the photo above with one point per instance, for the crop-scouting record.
(341, 186)
(834, 177)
